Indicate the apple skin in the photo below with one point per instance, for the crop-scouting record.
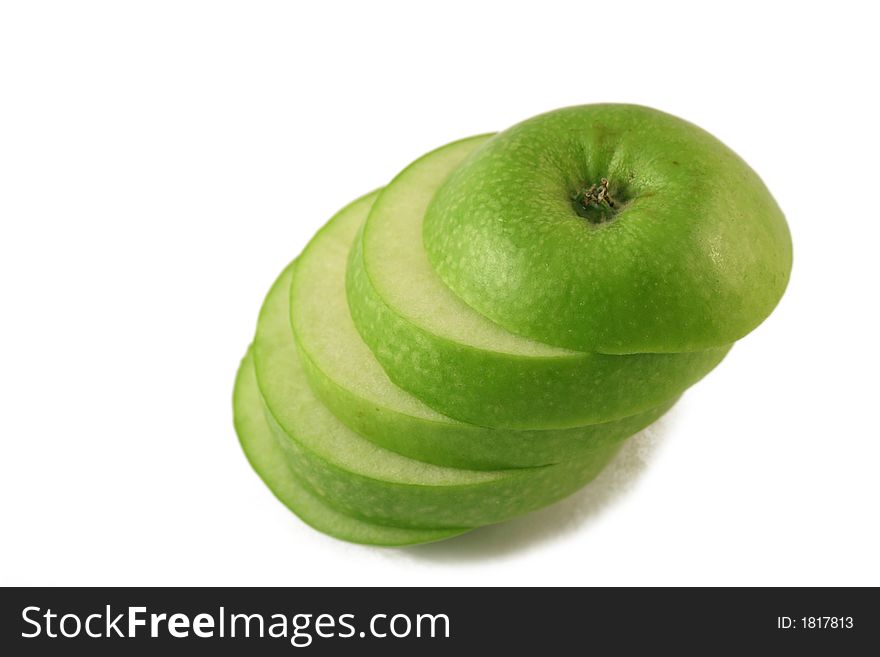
(697, 256)
(364, 480)
(269, 461)
(439, 349)
(345, 375)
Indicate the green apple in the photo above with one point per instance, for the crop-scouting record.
(477, 339)
(362, 479)
(268, 459)
(462, 364)
(349, 380)
(611, 228)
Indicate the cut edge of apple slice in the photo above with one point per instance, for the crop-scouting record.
(398, 267)
(292, 402)
(270, 463)
(346, 376)
(322, 325)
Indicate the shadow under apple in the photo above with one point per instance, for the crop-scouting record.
(566, 516)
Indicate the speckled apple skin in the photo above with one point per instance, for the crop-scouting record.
(480, 385)
(699, 255)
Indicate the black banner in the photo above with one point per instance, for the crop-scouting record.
(113, 621)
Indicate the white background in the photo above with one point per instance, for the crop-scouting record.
(160, 162)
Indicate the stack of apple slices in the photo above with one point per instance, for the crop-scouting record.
(381, 403)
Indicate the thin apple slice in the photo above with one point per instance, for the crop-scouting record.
(363, 479)
(349, 380)
(270, 462)
(436, 347)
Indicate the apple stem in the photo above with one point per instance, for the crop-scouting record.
(598, 194)
(596, 197)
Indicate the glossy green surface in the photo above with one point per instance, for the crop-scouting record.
(696, 257)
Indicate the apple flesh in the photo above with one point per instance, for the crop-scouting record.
(349, 380)
(362, 479)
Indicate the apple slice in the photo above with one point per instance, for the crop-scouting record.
(270, 462)
(436, 347)
(349, 380)
(363, 479)
(611, 228)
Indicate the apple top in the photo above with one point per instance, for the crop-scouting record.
(611, 228)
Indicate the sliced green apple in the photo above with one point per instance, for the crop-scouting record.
(365, 480)
(270, 462)
(349, 380)
(455, 360)
(611, 228)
